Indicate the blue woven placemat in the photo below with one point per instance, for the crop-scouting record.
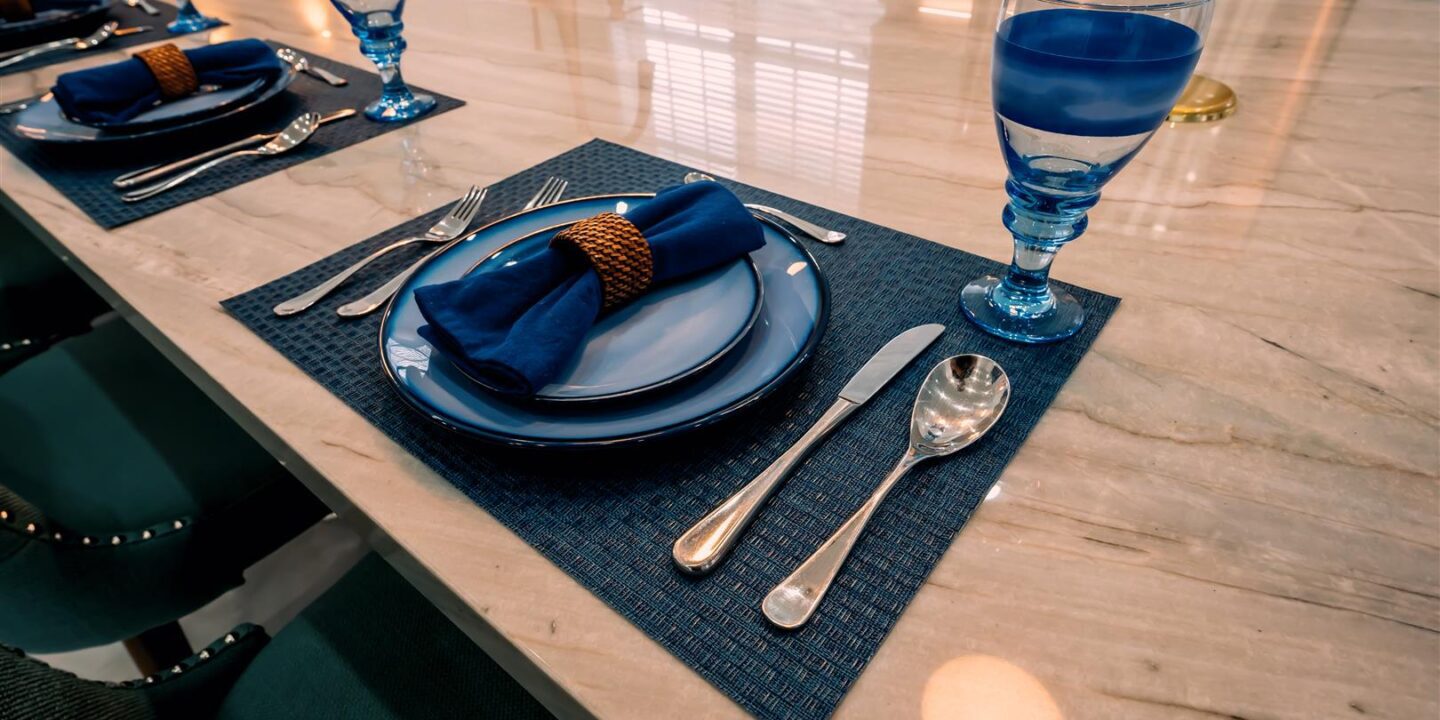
(609, 518)
(83, 172)
(120, 12)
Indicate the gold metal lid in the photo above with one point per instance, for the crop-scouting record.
(1204, 100)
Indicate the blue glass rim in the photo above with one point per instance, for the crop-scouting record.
(801, 359)
(1124, 7)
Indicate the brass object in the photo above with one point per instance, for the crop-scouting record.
(172, 70)
(1204, 100)
(618, 252)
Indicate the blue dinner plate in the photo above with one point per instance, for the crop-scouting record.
(44, 122)
(210, 100)
(664, 337)
(787, 331)
(16, 34)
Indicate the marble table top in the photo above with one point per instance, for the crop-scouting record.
(1232, 510)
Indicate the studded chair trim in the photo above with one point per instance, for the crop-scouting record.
(22, 518)
(172, 70)
(617, 250)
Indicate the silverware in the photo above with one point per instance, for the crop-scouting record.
(959, 401)
(18, 105)
(706, 543)
(549, 192)
(807, 228)
(155, 172)
(299, 130)
(302, 64)
(75, 43)
(446, 230)
(144, 6)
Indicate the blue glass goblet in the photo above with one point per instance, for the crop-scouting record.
(188, 19)
(1079, 87)
(377, 24)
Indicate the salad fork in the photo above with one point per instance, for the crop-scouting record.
(446, 230)
(549, 193)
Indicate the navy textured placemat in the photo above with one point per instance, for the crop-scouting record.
(83, 171)
(609, 518)
(124, 14)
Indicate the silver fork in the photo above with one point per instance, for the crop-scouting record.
(75, 43)
(446, 230)
(549, 193)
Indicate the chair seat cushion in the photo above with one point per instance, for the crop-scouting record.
(104, 438)
(373, 648)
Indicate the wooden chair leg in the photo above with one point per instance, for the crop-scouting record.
(158, 648)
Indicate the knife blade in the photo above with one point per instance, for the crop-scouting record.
(154, 172)
(706, 543)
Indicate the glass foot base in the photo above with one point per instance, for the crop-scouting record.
(194, 23)
(388, 110)
(1060, 323)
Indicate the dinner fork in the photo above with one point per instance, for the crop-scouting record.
(548, 194)
(446, 230)
(75, 43)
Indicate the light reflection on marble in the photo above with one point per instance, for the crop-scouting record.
(1231, 510)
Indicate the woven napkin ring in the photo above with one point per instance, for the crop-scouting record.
(618, 252)
(171, 69)
(16, 10)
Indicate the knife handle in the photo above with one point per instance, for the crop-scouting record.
(131, 179)
(704, 545)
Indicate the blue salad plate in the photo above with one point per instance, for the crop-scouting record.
(663, 338)
(707, 374)
(43, 121)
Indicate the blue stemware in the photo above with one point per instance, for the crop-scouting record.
(189, 19)
(377, 24)
(1079, 87)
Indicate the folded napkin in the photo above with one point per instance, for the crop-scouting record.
(515, 327)
(120, 91)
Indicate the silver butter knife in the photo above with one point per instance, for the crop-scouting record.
(154, 172)
(704, 545)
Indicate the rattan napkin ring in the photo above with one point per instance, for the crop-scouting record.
(16, 10)
(172, 70)
(617, 250)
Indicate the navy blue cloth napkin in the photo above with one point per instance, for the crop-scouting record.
(515, 327)
(120, 91)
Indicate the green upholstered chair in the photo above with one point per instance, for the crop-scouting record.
(41, 300)
(370, 648)
(127, 498)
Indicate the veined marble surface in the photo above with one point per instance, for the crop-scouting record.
(1232, 509)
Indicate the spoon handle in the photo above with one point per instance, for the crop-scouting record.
(160, 187)
(791, 603)
(706, 543)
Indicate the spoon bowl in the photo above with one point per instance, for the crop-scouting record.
(960, 400)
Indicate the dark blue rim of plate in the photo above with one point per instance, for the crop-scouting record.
(802, 358)
(270, 92)
(740, 335)
(128, 127)
(100, 7)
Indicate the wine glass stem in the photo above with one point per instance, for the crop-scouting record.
(394, 88)
(1041, 224)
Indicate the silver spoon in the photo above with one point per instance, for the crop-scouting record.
(811, 230)
(296, 133)
(302, 64)
(959, 401)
